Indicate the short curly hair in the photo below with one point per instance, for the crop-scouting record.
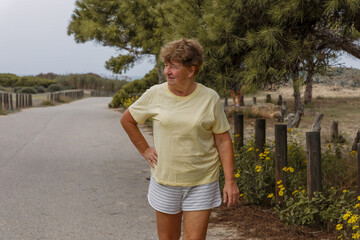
(188, 52)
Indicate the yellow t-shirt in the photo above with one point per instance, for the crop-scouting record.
(183, 130)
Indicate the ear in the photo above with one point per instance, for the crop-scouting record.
(191, 72)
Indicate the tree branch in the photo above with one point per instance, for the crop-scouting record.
(336, 42)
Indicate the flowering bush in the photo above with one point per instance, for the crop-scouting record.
(332, 208)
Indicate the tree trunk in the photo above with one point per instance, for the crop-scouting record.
(297, 98)
(160, 75)
(308, 88)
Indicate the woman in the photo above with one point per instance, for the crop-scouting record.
(190, 133)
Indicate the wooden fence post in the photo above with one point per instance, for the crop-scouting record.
(260, 136)
(283, 111)
(23, 100)
(356, 141)
(358, 162)
(30, 100)
(254, 100)
(280, 156)
(225, 101)
(11, 102)
(279, 101)
(268, 98)
(242, 102)
(6, 101)
(1, 100)
(316, 127)
(238, 130)
(313, 163)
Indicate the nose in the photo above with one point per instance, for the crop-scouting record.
(167, 70)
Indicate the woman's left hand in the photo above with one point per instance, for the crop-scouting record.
(230, 193)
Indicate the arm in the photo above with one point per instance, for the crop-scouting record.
(224, 145)
(130, 126)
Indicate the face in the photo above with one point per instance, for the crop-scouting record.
(178, 74)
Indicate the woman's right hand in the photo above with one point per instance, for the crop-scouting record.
(151, 156)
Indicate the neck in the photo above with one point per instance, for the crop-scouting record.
(183, 90)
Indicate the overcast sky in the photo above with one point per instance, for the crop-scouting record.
(33, 40)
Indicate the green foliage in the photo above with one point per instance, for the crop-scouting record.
(28, 81)
(268, 45)
(29, 90)
(54, 88)
(40, 89)
(124, 97)
(256, 181)
(8, 80)
(89, 81)
(127, 25)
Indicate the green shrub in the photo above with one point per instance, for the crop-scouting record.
(29, 81)
(29, 90)
(8, 79)
(40, 89)
(134, 88)
(54, 88)
(335, 207)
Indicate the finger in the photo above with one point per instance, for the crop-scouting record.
(151, 164)
(225, 197)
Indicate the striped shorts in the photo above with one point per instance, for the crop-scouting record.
(174, 199)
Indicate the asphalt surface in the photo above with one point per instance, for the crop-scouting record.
(70, 172)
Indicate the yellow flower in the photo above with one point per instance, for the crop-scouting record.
(237, 135)
(339, 227)
(353, 218)
(250, 149)
(356, 235)
(258, 168)
(357, 205)
(329, 146)
(241, 195)
(347, 215)
(291, 169)
(271, 195)
(352, 152)
(289, 130)
(267, 158)
(279, 182)
(355, 227)
(237, 175)
(261, 154)
(344, 191)
(284, 169)
(257, 150)
(358, 198)
(281, 193)
(295, 192)
(340, 236)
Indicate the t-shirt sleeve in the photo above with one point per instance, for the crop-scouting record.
(142, 108)
(221, 124)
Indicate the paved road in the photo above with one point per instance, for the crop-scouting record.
(70, 172)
